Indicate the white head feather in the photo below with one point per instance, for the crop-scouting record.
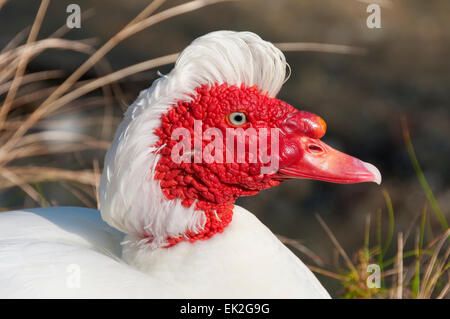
(130, 199)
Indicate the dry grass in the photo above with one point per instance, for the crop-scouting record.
(32, 110)
(19, 142)
(421, 272)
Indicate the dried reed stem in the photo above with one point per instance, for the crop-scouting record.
(336, 244)
(399, 266)
(100, 53)
(320, 47)
(23, 61)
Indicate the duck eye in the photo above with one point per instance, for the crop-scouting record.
(237, 118)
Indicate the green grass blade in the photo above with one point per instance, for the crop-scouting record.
(423, 181)
(422, 229)
(390, 210)
(379, 240)
(416, 280)
(44, 202)
(367, 238)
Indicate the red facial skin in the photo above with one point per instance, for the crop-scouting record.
(215, 186)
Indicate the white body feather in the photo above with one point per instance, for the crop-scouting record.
(41, 250)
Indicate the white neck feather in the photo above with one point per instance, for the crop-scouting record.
(130, 199)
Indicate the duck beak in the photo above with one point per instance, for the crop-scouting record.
(313, 159)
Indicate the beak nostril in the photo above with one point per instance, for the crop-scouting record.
(315, 148)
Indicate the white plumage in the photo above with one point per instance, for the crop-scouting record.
(41, 250)
(127, 191)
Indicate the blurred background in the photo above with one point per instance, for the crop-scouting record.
(400, 71)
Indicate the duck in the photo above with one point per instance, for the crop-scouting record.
(206, 133)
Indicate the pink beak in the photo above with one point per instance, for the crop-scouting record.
(306, 156)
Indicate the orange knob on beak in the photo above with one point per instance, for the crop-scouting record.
(304, 155)
(306, 123)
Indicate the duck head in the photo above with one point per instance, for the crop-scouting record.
(208, 132)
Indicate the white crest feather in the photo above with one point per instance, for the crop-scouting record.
(130, 199)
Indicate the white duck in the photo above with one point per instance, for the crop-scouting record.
(170, 229)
